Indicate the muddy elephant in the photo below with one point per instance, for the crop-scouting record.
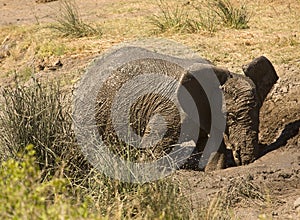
(244, 96)
(149, 124)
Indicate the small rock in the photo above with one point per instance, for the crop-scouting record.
(248, 43)
(284, 89)
(274, 213)
(58, 63)
(41, 67)
(297, 204)
(55, 66)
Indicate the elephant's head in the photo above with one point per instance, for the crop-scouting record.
(244, 97)
(242, 118)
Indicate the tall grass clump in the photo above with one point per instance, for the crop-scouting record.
(195, 16)
(39, 114)
(162, 199)
(204, 20)
(231, 15)
(171, 17)
(69, 23)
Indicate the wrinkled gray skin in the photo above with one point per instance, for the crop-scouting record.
(244, 95)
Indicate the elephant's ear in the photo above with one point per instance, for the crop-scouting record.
(199, 77)
(222, 74)
(263, 74)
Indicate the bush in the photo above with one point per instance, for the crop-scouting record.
(24, 196)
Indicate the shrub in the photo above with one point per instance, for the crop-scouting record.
(24, 196)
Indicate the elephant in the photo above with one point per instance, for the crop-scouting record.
(244, 96)
(154, 121)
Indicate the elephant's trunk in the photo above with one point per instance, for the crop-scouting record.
(242, 118)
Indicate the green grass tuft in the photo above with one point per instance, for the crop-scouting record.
(39, 114)
(197, 16)
(231, 15)
(174, 18)
(69, 22)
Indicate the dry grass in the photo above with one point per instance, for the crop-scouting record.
(273, 32)
(242, 189)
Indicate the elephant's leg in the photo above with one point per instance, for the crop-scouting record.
(217, 160)
(242, 118)
(195, 89)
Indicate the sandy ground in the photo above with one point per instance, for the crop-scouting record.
(29, 12)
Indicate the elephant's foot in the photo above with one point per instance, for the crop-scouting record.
(217, 160)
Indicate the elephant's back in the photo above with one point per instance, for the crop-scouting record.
(147, 87)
